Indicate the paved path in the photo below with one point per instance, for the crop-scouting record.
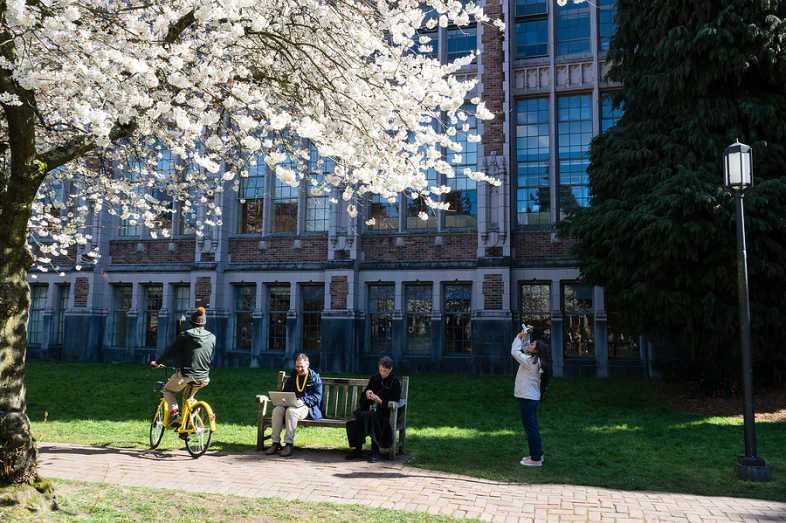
(389, 485)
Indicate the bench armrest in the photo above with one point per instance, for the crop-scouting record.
(395, 404)
(263, 401)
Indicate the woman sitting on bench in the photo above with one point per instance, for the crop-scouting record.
(373, 417)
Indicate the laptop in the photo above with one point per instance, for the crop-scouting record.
(283, 399)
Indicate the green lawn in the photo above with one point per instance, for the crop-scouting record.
(599, 432)
(100, 503)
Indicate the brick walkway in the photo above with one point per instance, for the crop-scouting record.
(389, 485)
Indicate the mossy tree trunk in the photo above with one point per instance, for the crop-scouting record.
(16, 203)
(18, 188)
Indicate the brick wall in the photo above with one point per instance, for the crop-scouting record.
(81, 290)
(278, 250)
(152, 252)
(492, 292)
(493, 58)
(538, 244)
(202, 291)
(420, 247)
(63, 259)
(339, 288)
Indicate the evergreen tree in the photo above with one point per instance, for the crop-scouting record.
(659, 235)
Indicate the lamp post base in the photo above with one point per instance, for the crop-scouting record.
(753, 469)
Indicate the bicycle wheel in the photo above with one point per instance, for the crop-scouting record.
(157, 427)
(199, 434)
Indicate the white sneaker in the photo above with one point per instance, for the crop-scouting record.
(530, 463)
(525, 458)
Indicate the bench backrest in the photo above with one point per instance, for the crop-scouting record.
(342, 395)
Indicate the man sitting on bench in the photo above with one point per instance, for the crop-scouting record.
(307, 386)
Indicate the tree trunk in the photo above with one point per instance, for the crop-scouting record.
(21, 488)
(17, 447)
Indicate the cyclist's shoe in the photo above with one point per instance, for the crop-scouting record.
(275, 447)
(287, 451)
(174, 421)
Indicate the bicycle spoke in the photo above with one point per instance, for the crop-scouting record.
(199, 435)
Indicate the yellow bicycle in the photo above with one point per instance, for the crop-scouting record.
(198, 421)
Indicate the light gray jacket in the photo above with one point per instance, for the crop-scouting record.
(528, 376)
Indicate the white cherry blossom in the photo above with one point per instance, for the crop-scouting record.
(139, 104)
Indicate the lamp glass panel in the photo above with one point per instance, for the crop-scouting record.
(746, 169)
(735, 168)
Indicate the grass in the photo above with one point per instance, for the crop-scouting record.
(110, 503)
(596, 432)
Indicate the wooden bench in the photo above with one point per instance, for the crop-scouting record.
(341, 397)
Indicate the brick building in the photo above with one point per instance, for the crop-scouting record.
(287, 271)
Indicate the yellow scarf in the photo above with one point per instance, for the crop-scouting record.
(298, 386)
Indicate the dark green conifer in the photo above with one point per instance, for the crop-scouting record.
(660, 232)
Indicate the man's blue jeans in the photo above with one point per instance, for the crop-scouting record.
(530, 422)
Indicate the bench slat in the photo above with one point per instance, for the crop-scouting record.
(334, 410)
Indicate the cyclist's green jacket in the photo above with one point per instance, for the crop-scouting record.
(196, 347)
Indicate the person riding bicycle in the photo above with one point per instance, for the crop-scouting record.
(196, 347)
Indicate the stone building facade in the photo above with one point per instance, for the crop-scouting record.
(287, 272)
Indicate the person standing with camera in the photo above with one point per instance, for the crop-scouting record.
(533, 360)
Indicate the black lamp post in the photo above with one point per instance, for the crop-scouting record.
(737, 177)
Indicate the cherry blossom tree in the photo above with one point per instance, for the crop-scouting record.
(95, 91)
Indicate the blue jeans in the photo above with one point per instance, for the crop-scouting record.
(530, 422)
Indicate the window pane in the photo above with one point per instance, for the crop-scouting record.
(531, 7)
(313, 304)
(536, 309)
(35, 321)
(532, 38)
(463, 196)
(245, 303)
(416, 206)
(285, 204)
(384, 213)
(607, 23)
(533, 195)
(278, 306)
(317, 209)
(608, 115)
(129, 215)
(381, 303)
(458, 319)
(65, 293)
(419, 299)
(461, 41)
(154, 300)
(574, 134)
(578, 320)
(251, 195)
(181, 316)
(120, 315)
(622, 342)
(573, 28)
